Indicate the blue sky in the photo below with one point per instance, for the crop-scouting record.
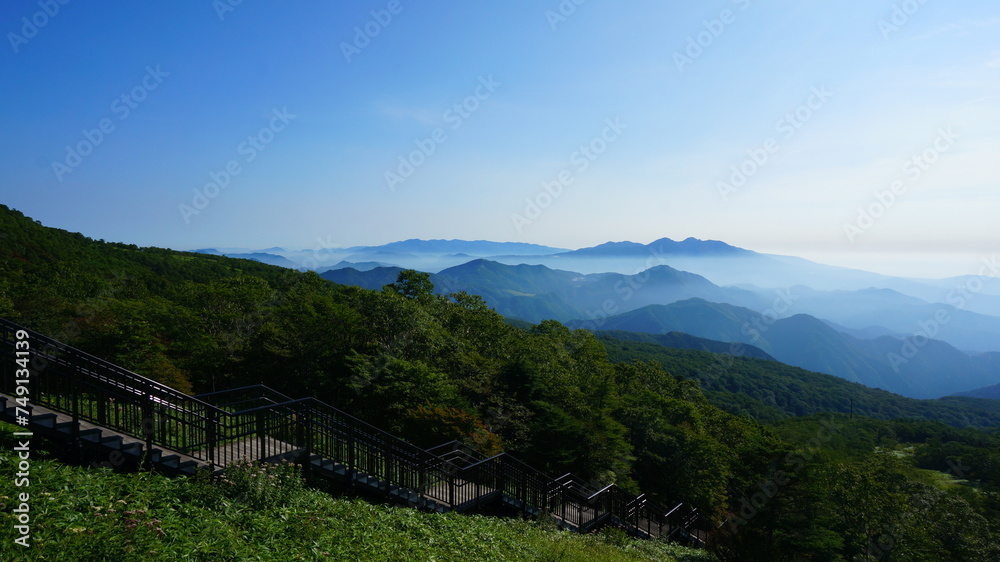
(284, 123)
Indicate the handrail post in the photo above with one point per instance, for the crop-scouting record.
(562, 497)
(451, 488)
(149, 428)
(308, 429)
(301, 434)
(101, 408)
(501, 480)
(211, 437)
(351, 468)
(74, 390)
(260, 435)
(422, 477)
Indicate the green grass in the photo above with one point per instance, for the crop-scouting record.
(264, 514)
(940, 479)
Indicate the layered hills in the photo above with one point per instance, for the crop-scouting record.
(876, 336)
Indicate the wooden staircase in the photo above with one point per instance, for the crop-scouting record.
(116, 418)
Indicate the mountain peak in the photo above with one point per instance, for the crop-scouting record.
(664, 246)
(610, 248)
(697, 246)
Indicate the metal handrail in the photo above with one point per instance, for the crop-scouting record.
(119, 398)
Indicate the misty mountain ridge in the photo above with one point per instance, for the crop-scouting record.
(991, 392)
(840, 321)
(661, 300)
(478, 248)
(721, 263)
(535, 292)
(262, 257)
(936, 369)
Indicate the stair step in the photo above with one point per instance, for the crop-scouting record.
(172, 461)
(113, 441)
(404, 493)
(132, 449)
(44, 420)
(93, 435)
(322, 463)
(369, 481)
(7, 412)
(65, 427)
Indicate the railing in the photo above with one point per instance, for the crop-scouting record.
(258, 423)
(457, 453)
(243, 398)
(68, 380)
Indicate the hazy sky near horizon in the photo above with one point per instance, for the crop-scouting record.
(779, 126)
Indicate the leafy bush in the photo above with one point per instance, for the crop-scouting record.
(262, 485)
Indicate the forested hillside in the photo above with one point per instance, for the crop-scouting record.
(440, 367)
(768, 390)
(429, 367)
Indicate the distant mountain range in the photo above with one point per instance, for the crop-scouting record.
(932, 370)
(920, 338)
(854, 333)
(465, 247)
(991, 392)
(534, 293)
(860, 335)
(262, 257)
(865, 335)
(373, 279)
(723, 264)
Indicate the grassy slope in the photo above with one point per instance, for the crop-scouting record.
(94, 514)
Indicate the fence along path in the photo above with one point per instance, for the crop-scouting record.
(88, 404)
